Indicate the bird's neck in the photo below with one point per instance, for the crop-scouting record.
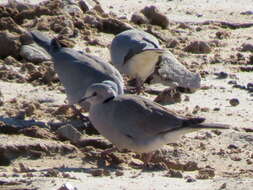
(108, 99)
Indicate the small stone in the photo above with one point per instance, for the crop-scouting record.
(249, 161)
(174, 173)
(206, 173)
(168, 96)
(221, 75)
(235, 158)
(155, 16)
(196, 109)
(250, 86)
(67, 186)
(97, 172)
(216, 109)
(190, 179)
(232, 146)
(223, 186)
(186, 98)
(234, 102)
(119, 173)
(139, 18)
(198, 47)
(246, 13)
(247, 47)
(86, 5)
(69, 132)
(222, 34)
(136, 163)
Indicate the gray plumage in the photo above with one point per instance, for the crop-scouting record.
(135, 53)
(77, 70)
(138, 54)
(135, 123)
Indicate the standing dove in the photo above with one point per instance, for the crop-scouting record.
(76, 70)
(138, 54)
(137, 124)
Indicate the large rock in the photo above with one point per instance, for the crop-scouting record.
(34, 53)
(13, 146)
(10, 45)
(70, 133)
(155, 16)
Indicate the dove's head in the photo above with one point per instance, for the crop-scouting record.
(100, 92)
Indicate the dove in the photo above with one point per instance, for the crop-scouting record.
(77, 70)
(138, 55)
(135, 123)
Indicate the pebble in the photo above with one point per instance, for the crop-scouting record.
(234, 102)
(69, 132)
(247, 47)
(174, 173)
(139, 18)
(198, 47)
(221, 75)
(155, 17)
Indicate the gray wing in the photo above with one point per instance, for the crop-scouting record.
(129, 43)
(77, 71)
(144, 117)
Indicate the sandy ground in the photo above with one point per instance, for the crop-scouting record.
(228, 153)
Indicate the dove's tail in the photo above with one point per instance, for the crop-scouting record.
(198, 123)
(42, 40)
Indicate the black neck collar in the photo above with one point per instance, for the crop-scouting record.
(108, 99)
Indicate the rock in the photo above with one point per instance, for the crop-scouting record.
(7, 23)
(67, 186)
(155, 16)
(221, 75)
(11, 45)
(38, 132)
(14, 146)
(69, 132)
(223, 186)
(139, 18)
(174, 173)
(173, 43)
(248, 130)
(34, 53)
(246, 13)
(87, 5)
(247, 47)
(112, 25)
(206, 173)
(168, 96)
(95, 141)
(234, 102)
(190, 179)
(98, 172)
(222, 34)
(198, 47)
(73, 9)
(250, 62)
(119, 173)
(10, 61)
(172, 71)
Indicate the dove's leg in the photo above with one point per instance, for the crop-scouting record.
(139, 86)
